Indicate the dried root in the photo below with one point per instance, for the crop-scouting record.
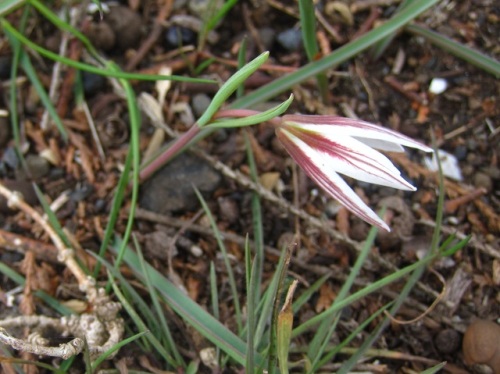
(101, 328)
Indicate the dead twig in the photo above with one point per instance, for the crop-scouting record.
(65, 255)
(15, 242)
(64, 351)
(428, 310)
(102, 328)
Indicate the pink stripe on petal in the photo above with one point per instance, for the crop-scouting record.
(332, 125)
(352, 158)
(316, 165)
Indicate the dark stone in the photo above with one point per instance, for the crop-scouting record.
(447, 341)
(92, 83)
(82, 192)
(38, 167)
(101, 35)
(127, 26)
(10, 158)
(460, 152)
(171, 188)
(176, 36)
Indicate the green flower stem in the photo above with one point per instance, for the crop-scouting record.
(176, 147)
(243, 113)
(188, 137)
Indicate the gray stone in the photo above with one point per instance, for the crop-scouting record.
(200, 104)
(171, 188)
(483, 180)
(38, 167)
(290, 39)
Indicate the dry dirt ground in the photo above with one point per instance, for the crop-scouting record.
(392, 90)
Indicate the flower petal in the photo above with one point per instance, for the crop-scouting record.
(318, 168)
(350, 157)
(332, 126)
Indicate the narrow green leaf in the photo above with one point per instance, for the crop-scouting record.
(230, 86)
(435, 369)
(379, 48)
(166, 335)
(192, 313)
(254, 119)
(37, 84)
(337, 57)
(92, 69)
(308, 27)
(473, 57)
(455, 248)
(323, 333)
(134, 315)
(327, 358)
(135, 124)
(7, 6)
(47, 299)
(361, 293)
(309, 292)
(115, 348)
(227, 263)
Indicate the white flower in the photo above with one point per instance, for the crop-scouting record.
(324, 146)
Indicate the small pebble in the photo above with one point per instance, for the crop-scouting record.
(290, 39)
(82, 192)
(438, 86)
(200, 103)
(460, 152)
(101, 35)
(176, 36)
(38, 167)
(482, 180)
(99, 206)
(10, 158)
(228, 209)
(92, 83)
(127, 26)
(492, 171)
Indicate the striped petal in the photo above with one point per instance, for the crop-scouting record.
(353, 158)
(318, 168)
(325, 146)
(373, 135)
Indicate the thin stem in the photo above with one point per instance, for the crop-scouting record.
(242, 113)
(176, 147)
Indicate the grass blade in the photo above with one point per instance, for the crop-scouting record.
(473, 57)
(92, 69)
(308, 26)
(192, 313)
(115, 348)
(337, 57)
(7, 6)
(322, 336)
(229, 269)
